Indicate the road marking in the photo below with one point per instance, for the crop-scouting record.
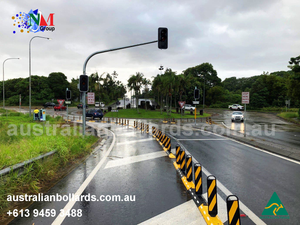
(202, 139)
(134, 159)
(132, 142)
(60, 218)
(243, 207)
(258, 149)
(222, 208)
(185, 213)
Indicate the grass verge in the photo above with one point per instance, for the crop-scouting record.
(150, 114)
(290, 116)
(37, 138)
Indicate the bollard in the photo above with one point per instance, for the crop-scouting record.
(127, 122)
(182, 162)
(178, 151)
(168, 145)
(198, 179)
(212, 196)
(233, 210)
(147, 128)
(189, 168)
(164, 141)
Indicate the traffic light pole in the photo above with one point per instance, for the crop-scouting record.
(84, 73)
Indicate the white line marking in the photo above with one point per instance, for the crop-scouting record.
(243, 207)
(134, 159)
(202, 139)
(132, 142)
(258, 149)
(60, 218)
(222, 209)
(185, 213)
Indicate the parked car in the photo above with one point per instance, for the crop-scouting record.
(49, 104)
(188, 107)
(94, 113)
(60, 107)
(97, 104)
(237, 116)
(79, 106)
(236, 107)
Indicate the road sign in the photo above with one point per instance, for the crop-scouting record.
(91, 98)
(245, 97)
(60, 101)
(196, 102)
(114, 110)
(181, 104)
(67, 102)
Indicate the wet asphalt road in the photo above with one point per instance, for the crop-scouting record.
(250, 174)
(153, 183)
(262, 125)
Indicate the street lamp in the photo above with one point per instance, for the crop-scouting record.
(30, 70)
(3, 81)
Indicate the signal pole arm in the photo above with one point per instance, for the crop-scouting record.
(84, 73)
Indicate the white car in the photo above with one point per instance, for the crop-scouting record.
(237, 116)
(97, 104)
(189, 107)
(236, 107)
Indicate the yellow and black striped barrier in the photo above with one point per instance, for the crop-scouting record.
(233, 210)
(210, 122)
(165, 120)
(212, 195)
(182, 162)
(161, 140)
(198, 179)
(189, 168)
(147, 128)
(178, 151)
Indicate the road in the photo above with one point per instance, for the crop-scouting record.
(262, 125)
(136, 166)
(251, 174)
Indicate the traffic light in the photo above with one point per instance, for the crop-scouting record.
(83, 83)
(196, 94)
(68, 94)
(162, 38)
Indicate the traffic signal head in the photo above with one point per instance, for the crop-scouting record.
(196, 94)
(83, 83)
(162, 38)
(68, 94)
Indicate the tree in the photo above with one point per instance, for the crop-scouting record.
(58, 83)
(135, 83)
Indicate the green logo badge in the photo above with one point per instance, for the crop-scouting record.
(275, 209)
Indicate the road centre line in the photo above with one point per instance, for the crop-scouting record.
(243, 207)
(134, 159)
(60, 218)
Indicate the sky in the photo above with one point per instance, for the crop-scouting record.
(239, 38)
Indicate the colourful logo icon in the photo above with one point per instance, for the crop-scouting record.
(33, 21)
(275, 208)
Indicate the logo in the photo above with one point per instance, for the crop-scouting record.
(34, 21)
(275, 209)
